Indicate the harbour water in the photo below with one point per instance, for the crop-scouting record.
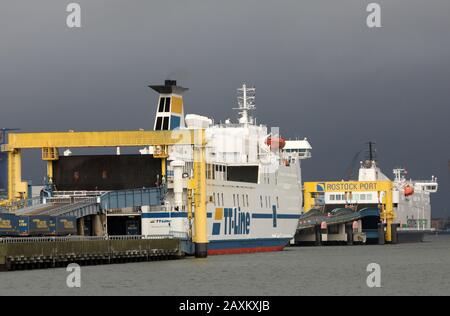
(406, 269)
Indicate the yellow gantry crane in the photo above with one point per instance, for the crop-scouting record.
(50, 142)
(384, 191)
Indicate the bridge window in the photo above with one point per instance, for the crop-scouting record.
(164, 105)
(161, 105)
(167, 106)
(166, 124)
(158, 124)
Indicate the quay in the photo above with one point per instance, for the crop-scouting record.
(53, 252)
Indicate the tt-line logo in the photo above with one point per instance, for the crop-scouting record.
(232, 221)
(236, 222)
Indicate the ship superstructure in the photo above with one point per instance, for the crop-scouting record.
(253, 178)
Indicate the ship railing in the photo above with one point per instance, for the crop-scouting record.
(78, 193)
(415, 229)
(22, 240)
(71, 200)
(21, 204)
(425, 181)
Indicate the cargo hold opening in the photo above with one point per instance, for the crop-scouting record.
(106, 172)
(129, 225)
(243, 174)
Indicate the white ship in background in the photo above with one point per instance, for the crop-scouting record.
(412, 204)
(254, 179)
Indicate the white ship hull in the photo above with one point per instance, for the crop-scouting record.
(250, 218)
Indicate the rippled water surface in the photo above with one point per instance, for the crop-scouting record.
(416, 269)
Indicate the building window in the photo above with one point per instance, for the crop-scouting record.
(222, 200)
(167, 106)
(246, 197)
(165, 124)
(234, 200)
(278, 203)
(158, 124)
(161, 105)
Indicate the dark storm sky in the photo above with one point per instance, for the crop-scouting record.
(319, 71)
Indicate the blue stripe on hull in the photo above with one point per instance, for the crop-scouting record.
(209, 215)
(168, 215)
(248, 243)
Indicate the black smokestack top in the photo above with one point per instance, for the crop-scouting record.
(170, 82)
(170, 86)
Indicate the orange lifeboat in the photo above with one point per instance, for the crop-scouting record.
(275, 143)
(408, 190)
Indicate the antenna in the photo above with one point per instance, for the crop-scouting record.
(349, 173)
(246, 102)
(372, 151)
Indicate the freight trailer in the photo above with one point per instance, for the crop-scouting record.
(65, 225)
(8, 224)
(41, 225)
(37, 225)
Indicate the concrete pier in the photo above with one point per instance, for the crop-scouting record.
(342, 233)
(36, 253)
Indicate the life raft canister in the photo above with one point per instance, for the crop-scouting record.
(275, 143)
(408, 190)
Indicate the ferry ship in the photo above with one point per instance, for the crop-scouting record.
(411, 198)
(253, 177)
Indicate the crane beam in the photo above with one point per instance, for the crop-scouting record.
(98, 139)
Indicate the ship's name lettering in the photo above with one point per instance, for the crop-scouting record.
(351, 186)
(237, 222)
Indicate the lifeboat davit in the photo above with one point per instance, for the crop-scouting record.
(275, 143)
(408, 190)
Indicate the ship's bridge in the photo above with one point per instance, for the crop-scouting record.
(430, 186)
(298, 149)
